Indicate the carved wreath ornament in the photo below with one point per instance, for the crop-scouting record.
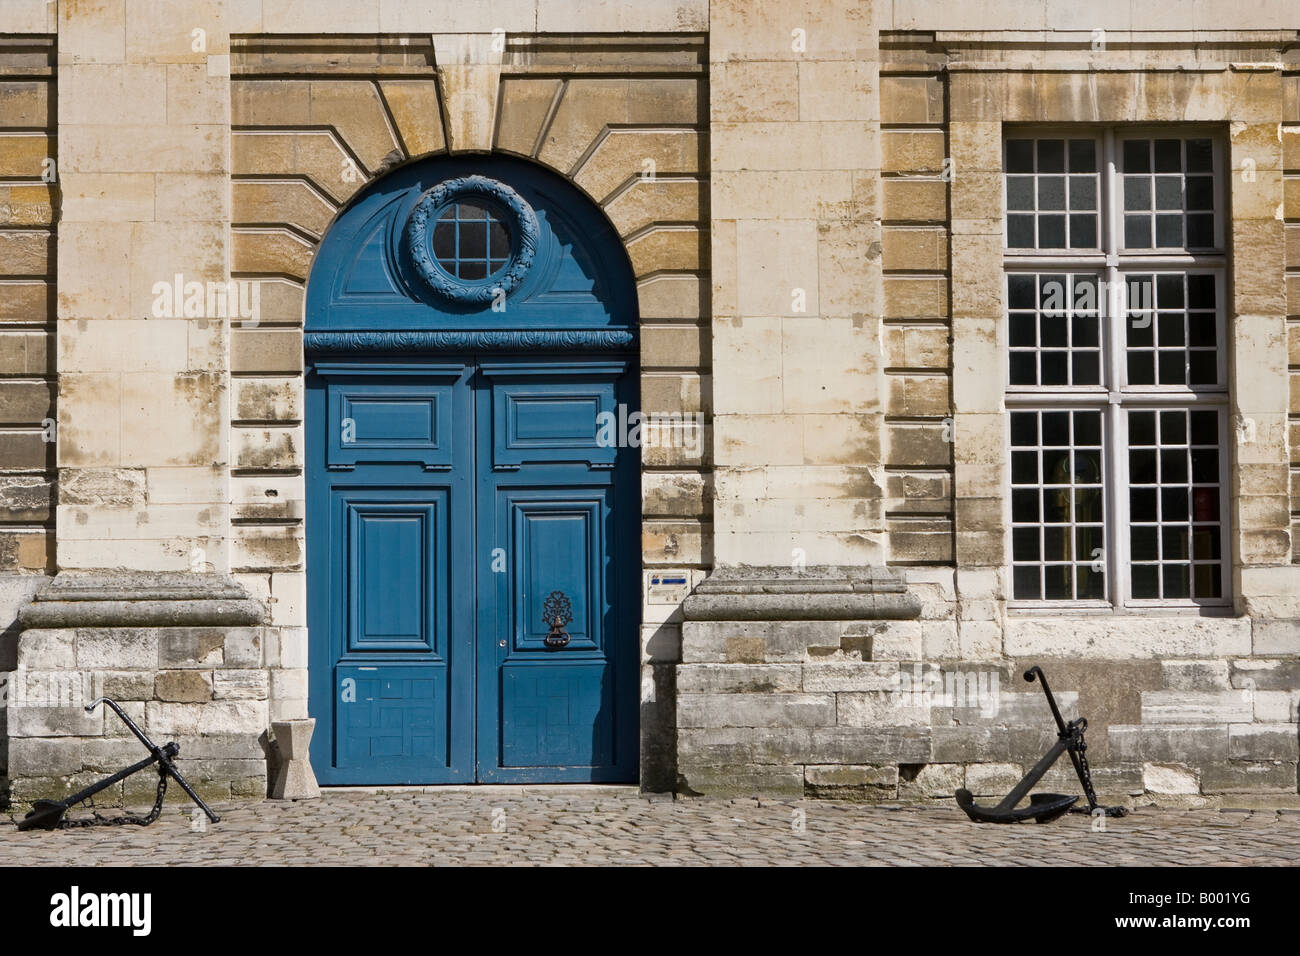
(525, 234)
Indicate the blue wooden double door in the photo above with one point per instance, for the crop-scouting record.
(449, 497)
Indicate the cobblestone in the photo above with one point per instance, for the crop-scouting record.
(606, 825)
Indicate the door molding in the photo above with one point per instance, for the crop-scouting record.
(485, 340)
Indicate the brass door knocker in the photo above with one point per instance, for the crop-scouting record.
(557, 612)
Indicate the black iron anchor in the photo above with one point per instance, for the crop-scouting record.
(48, 814)
(1044, 807)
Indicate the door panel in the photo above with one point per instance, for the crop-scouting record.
(397, 564)
(386, 419)
(542, 421)
(555, 715)
(555, 501)
(398, 721)
(557, 540)
(390, 571)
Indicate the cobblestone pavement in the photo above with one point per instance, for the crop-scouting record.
(585, 825)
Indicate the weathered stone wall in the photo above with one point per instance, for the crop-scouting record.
(830, 230)
(1181, 708)
(28, 207)
(206, 688)
(800, 415)
(28, 210)
(1291, 213)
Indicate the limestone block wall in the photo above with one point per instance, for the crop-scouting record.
(29, 201)
(800, 411)
(1182, 708)
(916, 327)
(314, 119)
(144, 136)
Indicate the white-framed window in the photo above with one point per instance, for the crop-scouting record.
(1117, 392)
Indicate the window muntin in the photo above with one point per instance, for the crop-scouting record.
(1052, 189)
(1175, 499)
(1173, 329)
(1152, 530)
(1054, 328)
(470, 241)
(1169, 192)
(1057, 505)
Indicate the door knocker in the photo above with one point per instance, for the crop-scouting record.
(557, 612)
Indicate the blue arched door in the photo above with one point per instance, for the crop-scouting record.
(472, 519)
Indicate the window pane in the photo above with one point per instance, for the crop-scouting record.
(1083, 192)
(1024, 429)
(1051, 192)
(1169, 232)
(1020, 193)
(1054, 328)
(1169, 155)
(1021, 291)
(1200, 231)
(1020, 155)
(1083, 232)
(1174, 545)
(1137, 232)
(1051, 155)
(1028, 583)
(1137, 156)
(1051, 232)
(1179, 346)
(1200, 156)
(1200, 192)
(1137, 193)
(1169, 192)
(1083, 155)
(1053, 553)
(1020, 232)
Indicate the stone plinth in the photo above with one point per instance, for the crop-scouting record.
(184, 654)
(766, 653)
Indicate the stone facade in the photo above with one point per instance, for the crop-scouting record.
(811, 198)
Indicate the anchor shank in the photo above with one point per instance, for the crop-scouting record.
(1035, 774)
(107, 782)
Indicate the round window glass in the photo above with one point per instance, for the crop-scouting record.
(471, 241)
